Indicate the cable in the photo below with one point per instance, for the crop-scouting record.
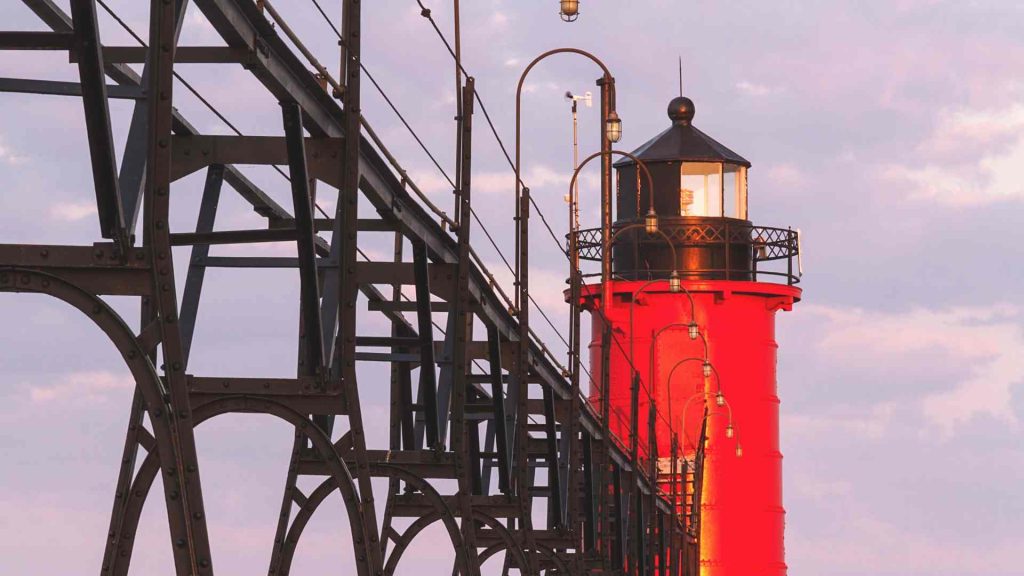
(425, 12)
(437, 164)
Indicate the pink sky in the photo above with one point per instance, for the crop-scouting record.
(890, 133)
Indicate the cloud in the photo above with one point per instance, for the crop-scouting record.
(819, 489)
(786, 174)
(72, 211)
(9, 156)
(971, 158)
(870, 424)
(958, 131)
(754, 89)
(983, 342)
(867, 545)
(499, 19)
(92, 385)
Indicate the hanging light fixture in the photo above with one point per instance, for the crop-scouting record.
(729, 432)
(674, 285)
(570, 10)
(720, 399)
(707, 369)
(651, 222)
(739, 450)
(613, 127)
(694, 330)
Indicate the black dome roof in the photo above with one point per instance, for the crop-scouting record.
(682, 141)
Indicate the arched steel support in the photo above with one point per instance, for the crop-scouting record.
(340, 479)
(469, 564)
(167, 453)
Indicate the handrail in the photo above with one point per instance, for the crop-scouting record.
(766, 244)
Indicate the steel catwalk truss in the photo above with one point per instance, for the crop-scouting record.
(603, 516)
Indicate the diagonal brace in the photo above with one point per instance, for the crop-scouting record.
(303, 210)
(97, 120)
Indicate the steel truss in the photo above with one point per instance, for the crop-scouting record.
(469, 418)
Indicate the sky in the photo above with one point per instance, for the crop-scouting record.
(890, 133)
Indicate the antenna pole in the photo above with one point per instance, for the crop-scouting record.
(680, 76)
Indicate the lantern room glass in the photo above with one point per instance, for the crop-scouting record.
(734, 191)
(700, 189)
(713, 189)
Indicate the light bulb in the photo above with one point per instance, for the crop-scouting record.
(694, 330)
(651, 222)
(674, 285)
(729, 432)
(720, 399)
(707, 369)
(739, 451)
(570, 10)
(613, 127)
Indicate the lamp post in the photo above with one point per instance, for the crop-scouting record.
(575, 279)
(674, 287)
(611, 131)
(650, 221)
(730, 430)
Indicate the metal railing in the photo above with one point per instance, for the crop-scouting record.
(765, 244)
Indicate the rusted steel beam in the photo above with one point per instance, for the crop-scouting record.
(183, 55)
(18, 40)
(97, 121)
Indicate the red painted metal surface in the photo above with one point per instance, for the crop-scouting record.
(742, 518)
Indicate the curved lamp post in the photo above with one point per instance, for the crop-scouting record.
(730, 429)
(650, 220)
(611, 132)
(707, 369)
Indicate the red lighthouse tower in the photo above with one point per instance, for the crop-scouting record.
(685, 327)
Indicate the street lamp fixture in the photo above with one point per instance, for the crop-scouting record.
(651, 221)
(675, 286)
(694, 330)
(613, 127)
(570, 10)
(707, 371)
(729, 431)
(739, 450)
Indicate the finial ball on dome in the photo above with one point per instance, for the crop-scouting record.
(681, 110)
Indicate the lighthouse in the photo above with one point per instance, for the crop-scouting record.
(685, 327)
